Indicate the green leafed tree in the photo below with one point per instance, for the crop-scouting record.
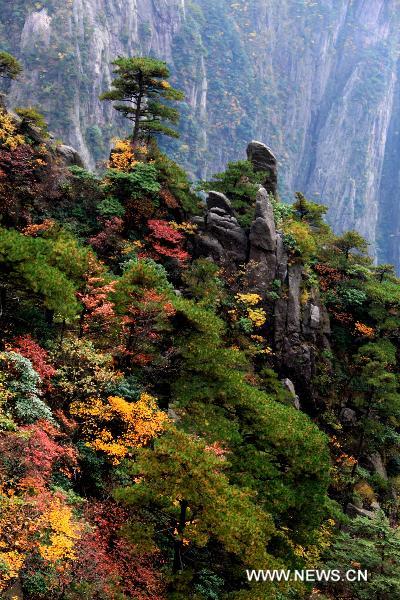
(143, 95)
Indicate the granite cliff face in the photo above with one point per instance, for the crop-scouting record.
(318, 81)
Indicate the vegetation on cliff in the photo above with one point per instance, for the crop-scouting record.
(148, 446)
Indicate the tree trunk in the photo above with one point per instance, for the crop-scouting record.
(136, 129)
(178, 543)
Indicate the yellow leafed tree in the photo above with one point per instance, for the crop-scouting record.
(114, 426)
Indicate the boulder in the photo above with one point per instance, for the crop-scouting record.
(354, 511)
(220, 201)
(262, 231)
(348, 416)
(70, 156)
(14, 592)
(289, 386)
(223, 239)
(315, 316)
(263, 159)
(295, 272)
(375, 463)
(281, 259)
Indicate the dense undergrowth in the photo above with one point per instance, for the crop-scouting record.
(148, 448)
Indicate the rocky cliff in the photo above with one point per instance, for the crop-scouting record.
(317, 80)
(301, 327)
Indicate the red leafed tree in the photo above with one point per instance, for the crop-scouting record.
(38, 356)
(138, 571)
(98, 310)
(108, 239)
(165, 241)
(33, 456)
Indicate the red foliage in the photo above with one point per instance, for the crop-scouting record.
(16, 165)
(109, 237)
(17, 180)
(138, 571)
(27, 347)
(329, 276)
(166, 241)
(35, 452)
(169, 199)
(98, 310)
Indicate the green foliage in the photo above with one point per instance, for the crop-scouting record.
(10, 67)
(171, 175)
(374, 546)
(310, 212)
(33, 117)
(22, 385)
(184, 479)
(240, 183)
(351, 241)
(111, 207)
(48, 267)
(141, 181)
(202, 282)
(215, 398)
(141, 84)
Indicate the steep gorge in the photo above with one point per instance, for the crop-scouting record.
(317, 81)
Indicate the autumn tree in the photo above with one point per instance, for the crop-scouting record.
(186, 480)
(143, 94)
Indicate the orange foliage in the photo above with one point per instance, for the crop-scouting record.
(35, 229)
(364, 330)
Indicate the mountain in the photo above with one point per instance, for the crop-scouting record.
(315, 80)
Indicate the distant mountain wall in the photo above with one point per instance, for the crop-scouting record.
(317, 80)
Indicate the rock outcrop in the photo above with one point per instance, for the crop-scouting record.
(221, 236)
(69, 156)
(298, 327)
(263, 159)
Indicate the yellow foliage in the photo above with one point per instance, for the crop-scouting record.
(304, 297)
(186, 227)
(312, 554)
(15, 533)
(123, 156)
(8, 135)
(302, 235)
(257, 316)
(115, 425)
(60, 533)
(10, 565)
(249, 299)
(365, 491)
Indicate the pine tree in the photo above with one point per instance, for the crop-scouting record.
(141, 85)
(10, 67)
